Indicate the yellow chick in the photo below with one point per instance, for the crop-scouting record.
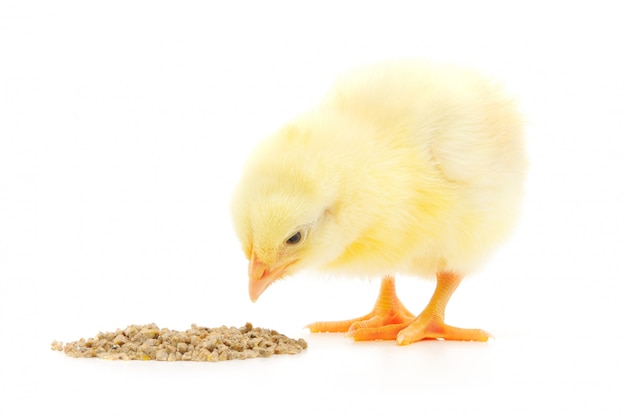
(406, 168)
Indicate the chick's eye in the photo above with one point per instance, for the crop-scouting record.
(294, 239)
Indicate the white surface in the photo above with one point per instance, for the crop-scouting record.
(123, 127)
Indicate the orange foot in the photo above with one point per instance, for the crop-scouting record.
(391, 320)
(388, 317)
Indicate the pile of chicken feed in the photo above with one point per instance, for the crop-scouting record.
(148, 342)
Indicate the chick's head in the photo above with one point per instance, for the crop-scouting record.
(284, 213)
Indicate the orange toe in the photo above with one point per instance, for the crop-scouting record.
(433, 327)
(383, 332)
(336, 326)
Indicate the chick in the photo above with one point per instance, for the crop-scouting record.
(409, 168)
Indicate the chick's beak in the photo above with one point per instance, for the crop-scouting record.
(261, 276)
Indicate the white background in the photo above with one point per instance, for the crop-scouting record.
(124, 126)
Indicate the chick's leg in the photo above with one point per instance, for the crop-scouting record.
(387, 318)
(429, 324)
